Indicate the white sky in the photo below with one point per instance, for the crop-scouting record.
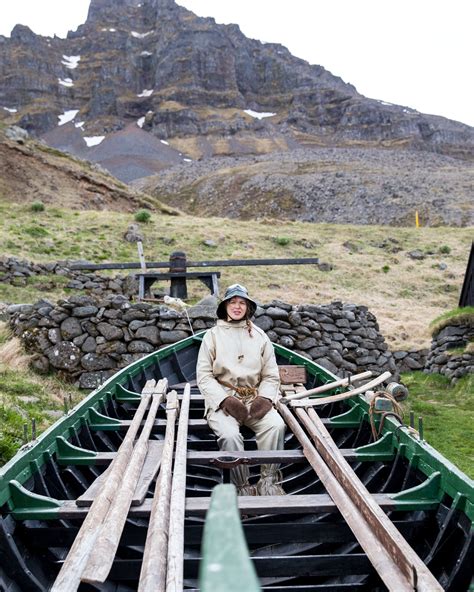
(416, 53)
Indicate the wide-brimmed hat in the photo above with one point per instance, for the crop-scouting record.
(231, 292)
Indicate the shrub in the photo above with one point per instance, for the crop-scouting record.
(282, 241)
(386, 268)
(445, 250)
(37, 206)
(142, 216)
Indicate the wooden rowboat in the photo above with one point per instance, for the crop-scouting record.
(114, 496)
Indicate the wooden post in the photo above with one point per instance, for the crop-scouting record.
(100, 562)
(178, 288)
(174, 575)
(69, 577)
(153, 572)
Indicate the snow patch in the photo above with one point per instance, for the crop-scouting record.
(80, 125)
(10, 109)
(110, 30)
(66, 82)
(71, 62)
(258, 115)
(141, 121)
(141, 35)
(146, 54)
(67, 116)
(146, 93)
(165, 142)
(187, 159)
(93, 140)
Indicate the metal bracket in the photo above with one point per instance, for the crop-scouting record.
(229, 462)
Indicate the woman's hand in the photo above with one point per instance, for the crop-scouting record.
(232, 406)
(260, 407)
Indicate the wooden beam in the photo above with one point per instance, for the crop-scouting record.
(394, 578)
(255, 506)
(174, 574)
(327, 387)
(100, 562)
(341, 397)
(396, 546)
(153, 571)
(69, 577)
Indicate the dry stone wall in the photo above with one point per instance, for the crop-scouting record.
(450, 354)
(88, 339)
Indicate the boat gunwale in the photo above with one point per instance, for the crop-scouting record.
(424, 457)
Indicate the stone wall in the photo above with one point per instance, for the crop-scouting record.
(16, 272)
(87, 338)
(450, 354)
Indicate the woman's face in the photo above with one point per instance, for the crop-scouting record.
(236, 308)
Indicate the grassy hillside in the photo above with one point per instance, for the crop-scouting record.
(370, 264)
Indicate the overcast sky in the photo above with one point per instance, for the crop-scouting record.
(416, 53)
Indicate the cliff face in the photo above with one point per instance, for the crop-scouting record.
(184, 77)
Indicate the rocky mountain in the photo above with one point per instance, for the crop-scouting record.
(146, 85)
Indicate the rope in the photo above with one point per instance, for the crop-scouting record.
(245, 393)
(397, 412)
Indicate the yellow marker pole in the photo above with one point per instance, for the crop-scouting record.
(417, 221)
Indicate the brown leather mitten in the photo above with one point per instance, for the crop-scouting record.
(232, 406)
(260, 407)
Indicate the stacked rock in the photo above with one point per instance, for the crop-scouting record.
(449, 354)
(87, 339)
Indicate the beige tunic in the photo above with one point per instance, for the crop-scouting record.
(229, 353)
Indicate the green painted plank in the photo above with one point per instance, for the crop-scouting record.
(226, 565)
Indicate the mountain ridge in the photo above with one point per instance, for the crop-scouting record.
(146, 86)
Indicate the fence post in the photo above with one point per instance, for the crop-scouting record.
(178, 288)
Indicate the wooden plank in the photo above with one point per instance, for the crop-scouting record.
(394, 578)
(292, 374)
(69, 577)
(217, 263)
(174, 573)
(226, 565)
(205, 457)
(153, 570)
(150, 469)
(347, 395)
(99, 563)
(396, 546)
(327, 387)
(255, 506)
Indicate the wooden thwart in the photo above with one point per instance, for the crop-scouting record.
(147, 475)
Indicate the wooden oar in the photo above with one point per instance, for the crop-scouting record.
(153, 571)
(327, 387)
(69, 577)
(347, 395)
(100, 562)
(174, 574)
(395, 545)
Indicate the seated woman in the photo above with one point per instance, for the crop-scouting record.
(238, 376)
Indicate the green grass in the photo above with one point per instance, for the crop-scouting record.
(456, 316)
(25, 396)
(448, 415)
